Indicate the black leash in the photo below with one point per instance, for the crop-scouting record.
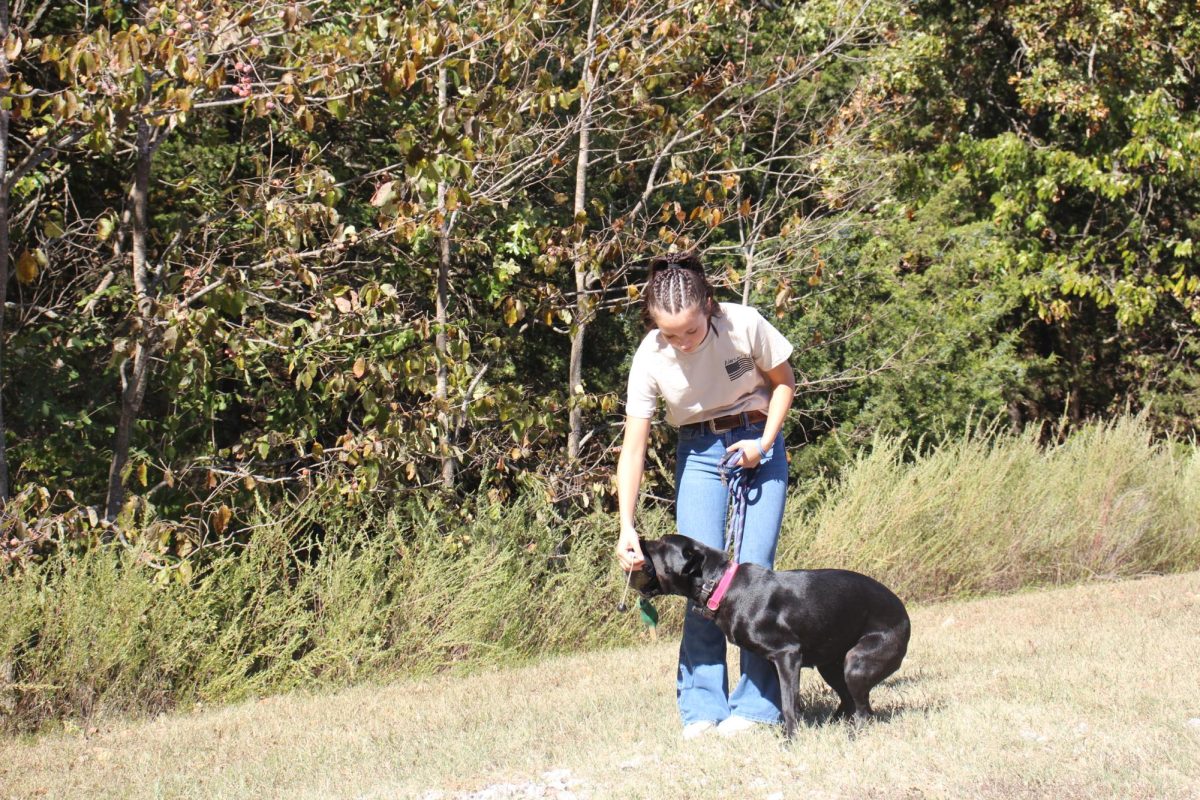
(738, 480)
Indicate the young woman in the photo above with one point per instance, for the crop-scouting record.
(723, 374)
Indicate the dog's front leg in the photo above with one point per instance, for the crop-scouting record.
(787, 664)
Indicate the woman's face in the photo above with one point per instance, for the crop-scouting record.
(685, 330)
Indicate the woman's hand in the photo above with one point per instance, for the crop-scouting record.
(752, 452)
(629, 550)
(783, 389)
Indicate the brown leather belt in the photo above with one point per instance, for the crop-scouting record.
(728, 422)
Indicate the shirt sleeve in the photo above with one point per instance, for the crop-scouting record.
(641, 400)
(771, 348)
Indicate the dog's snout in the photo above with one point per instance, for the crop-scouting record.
(645, 580)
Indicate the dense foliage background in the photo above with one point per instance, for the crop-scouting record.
(257, 250)
(270, 268)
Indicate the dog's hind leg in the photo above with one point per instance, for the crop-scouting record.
(787, 664)
(870, 661)
(833, 673)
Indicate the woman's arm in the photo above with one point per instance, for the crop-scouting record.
(783, 389)
(629, 481)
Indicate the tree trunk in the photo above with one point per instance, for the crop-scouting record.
(133, 391)
(748, 275)
(441, 393)
(133, 388)
(5, 118)
(582, 303)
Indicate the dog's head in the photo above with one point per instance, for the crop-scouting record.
(676, 565)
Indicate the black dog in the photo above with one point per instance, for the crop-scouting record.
(852, 628)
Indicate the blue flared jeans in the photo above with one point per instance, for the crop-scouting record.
(701, 505)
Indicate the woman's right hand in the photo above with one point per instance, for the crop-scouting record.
(629, 549)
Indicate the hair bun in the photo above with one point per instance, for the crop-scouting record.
(687, 259)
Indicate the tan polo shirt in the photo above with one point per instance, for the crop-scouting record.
(724, 375)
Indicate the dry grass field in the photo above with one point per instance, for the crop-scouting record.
(1087, 692)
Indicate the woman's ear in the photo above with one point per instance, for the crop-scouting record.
(693, 562)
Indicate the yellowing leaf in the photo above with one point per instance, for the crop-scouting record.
(220, 520)
(360, 367)
(104, 228)
(513, 311)
(27, 267)
(141, 473)
(384, 194)
(13, 47)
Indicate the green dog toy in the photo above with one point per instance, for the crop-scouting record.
(649, 613)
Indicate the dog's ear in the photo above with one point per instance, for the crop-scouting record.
(693, 562)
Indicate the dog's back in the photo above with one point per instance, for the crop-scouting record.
(846, 588)
(838, 608)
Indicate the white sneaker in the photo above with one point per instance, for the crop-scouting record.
(732, 726)
(694, 730)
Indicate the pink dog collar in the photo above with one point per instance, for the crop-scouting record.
(722, 587)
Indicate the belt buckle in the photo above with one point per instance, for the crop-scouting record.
(712, 423)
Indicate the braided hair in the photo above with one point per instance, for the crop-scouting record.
(677, 283)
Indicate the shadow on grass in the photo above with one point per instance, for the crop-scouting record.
(819, 702)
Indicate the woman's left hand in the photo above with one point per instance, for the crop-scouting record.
(751, 452)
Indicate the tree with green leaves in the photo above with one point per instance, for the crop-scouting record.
(1077, 127)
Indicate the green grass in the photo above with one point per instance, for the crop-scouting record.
(327, 599)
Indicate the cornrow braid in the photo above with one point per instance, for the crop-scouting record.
(677, 283)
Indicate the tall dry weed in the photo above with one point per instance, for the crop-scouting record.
(326, 597)
(998, 512)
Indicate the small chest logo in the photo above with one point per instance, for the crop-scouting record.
(737, 367)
